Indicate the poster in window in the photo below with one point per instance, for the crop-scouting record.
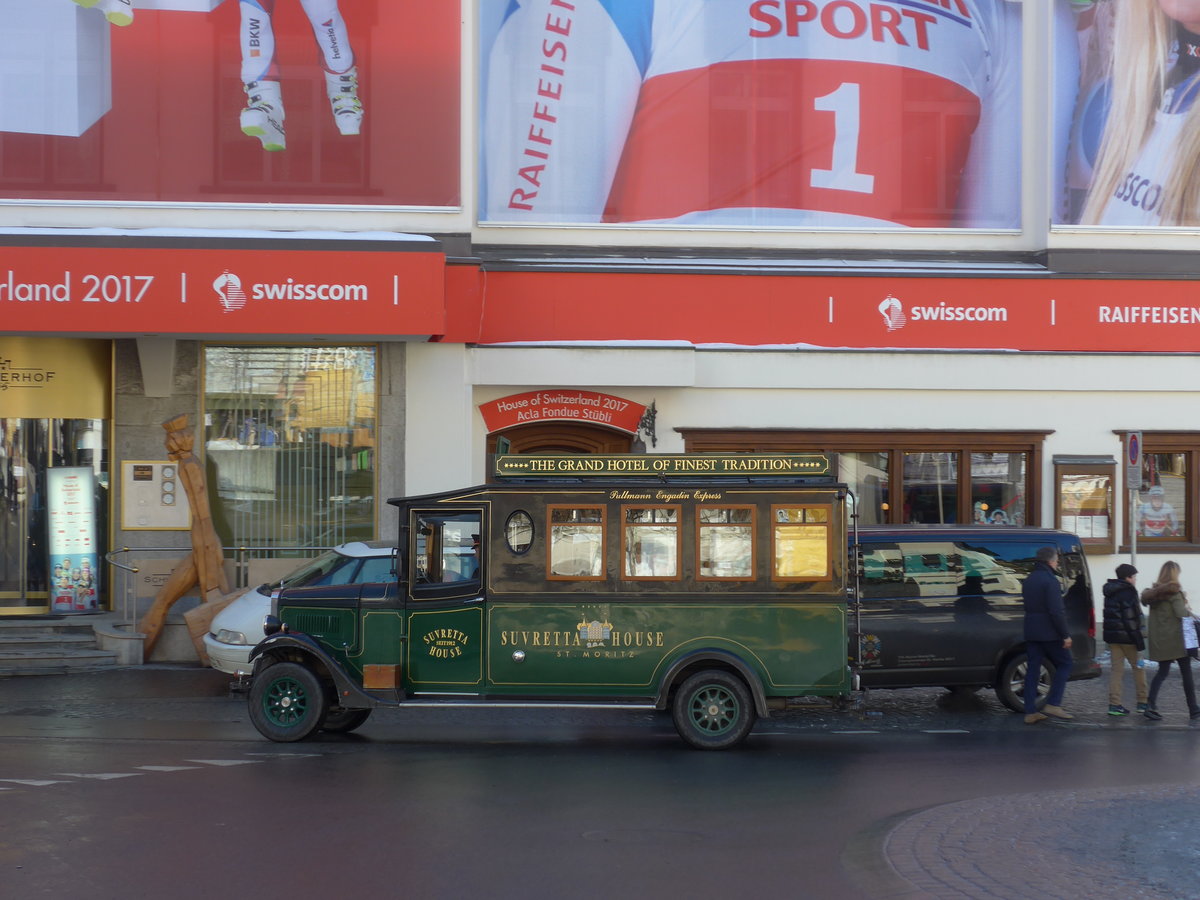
(230, 101)
(829, 113)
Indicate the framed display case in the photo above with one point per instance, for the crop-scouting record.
(1084, 500)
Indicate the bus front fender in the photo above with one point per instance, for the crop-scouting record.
(293, 646)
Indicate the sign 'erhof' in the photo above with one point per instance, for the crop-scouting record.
(14, 376)
(664, 465)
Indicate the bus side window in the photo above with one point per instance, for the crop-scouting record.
(447, 548)
(576, 542)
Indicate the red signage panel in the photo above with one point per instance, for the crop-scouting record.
(562, 405)
(891, 312)
(120, 291)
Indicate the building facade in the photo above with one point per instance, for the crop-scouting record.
(860, 228)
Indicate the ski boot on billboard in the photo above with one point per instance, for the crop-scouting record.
(343, 99)
(263, 116)
(118, 12)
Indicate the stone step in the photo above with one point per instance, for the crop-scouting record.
(19, 625)
(62, 662)
(47, 640)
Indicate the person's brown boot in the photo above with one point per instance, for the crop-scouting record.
(1034, 718)
(1057, 712)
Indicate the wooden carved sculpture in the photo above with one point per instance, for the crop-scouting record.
(204, 566)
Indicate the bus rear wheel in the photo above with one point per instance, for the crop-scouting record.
(713, 710)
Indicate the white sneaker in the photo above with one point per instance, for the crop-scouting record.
(118, 12)
(343, 99)
(263, 116)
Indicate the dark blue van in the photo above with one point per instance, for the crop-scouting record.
(941, 605)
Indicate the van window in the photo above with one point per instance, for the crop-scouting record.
(951, 568)
(576, 542)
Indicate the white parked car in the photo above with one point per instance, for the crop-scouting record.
(239, 626)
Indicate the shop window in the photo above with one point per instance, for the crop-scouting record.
(998, 488)
(1164, 501)
(931, 488)
(867, 473)
(290, 444)
(650, 542)
(576, 537)
(726, 542)
(53, 514)
(915, 477)
(800, 541)
(1084, 500)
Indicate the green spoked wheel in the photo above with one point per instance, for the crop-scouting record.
(287, 702)
(713, 710)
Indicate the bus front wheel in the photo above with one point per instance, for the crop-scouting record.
(287, 702)
(713, 710)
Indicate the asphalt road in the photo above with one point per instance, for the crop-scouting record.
(151, 783)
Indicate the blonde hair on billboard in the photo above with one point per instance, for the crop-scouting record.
(1143, 35)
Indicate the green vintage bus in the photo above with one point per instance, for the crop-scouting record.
(711, 586)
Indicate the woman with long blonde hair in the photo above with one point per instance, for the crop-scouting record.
(1147, 171)
(1164, 626)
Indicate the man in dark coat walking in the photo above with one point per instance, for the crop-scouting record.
(1046, 637)
(1123, 634)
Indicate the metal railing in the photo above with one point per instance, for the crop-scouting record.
(123, 576)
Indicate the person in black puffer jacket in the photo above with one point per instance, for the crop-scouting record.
(1123, 634)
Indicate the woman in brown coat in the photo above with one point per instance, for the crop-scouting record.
(1168, 608)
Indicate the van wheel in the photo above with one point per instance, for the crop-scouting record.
(343, 721)
(713, 710)
(1010, 686)
(287, 702)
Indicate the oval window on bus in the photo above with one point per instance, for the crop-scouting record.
(518, 532)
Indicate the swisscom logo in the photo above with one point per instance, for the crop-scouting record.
(894, 315)
(233, 296)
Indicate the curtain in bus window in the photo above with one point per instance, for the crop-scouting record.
(801, 537)
(651, 542)
(577, 542)
(726, 542)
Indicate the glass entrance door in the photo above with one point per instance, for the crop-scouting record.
(29, 450)
(22, 514)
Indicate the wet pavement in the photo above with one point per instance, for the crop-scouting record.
(1129, 840)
